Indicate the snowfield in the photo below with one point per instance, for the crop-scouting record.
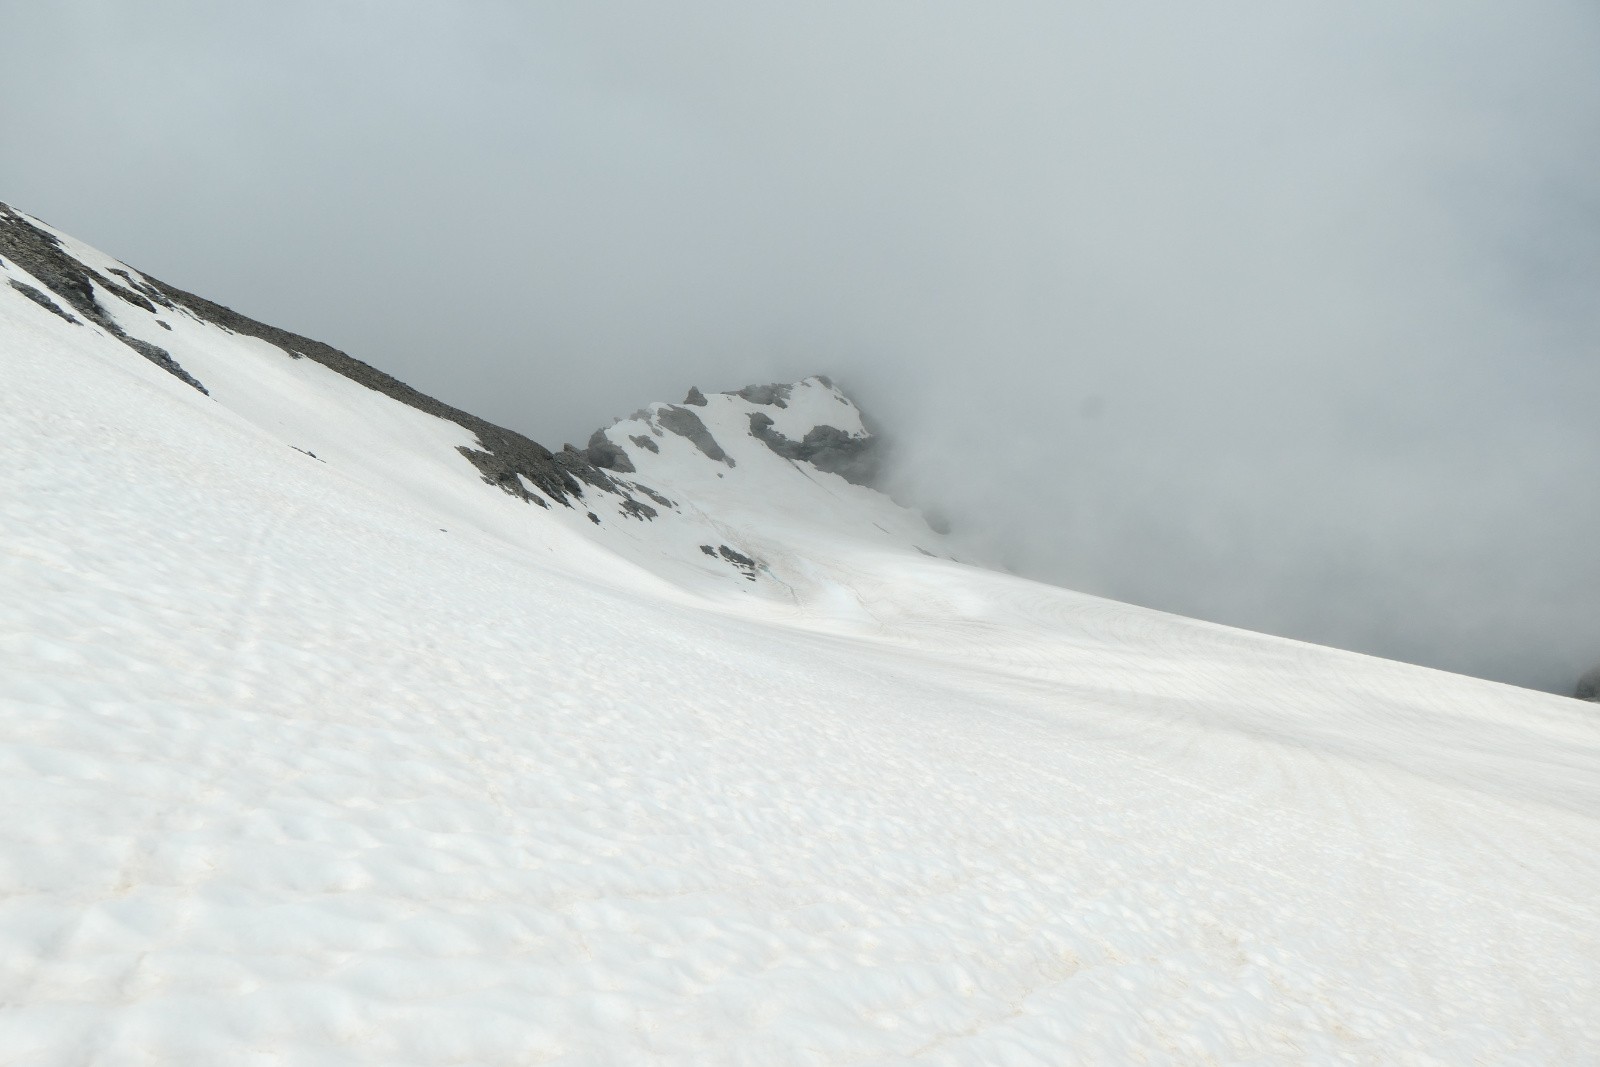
(355, 759)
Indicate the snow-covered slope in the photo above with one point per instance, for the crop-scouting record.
(354, 758)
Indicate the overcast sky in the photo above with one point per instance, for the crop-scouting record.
(1281, 314)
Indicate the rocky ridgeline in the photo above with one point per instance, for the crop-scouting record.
(39, 253)
(503, 457)
(1589, 686)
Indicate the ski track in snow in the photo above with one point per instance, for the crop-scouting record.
(297, 777)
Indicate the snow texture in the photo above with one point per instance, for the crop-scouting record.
(319, 750)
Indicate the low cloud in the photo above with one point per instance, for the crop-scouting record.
(1279, 315)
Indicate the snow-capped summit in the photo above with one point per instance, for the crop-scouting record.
(801, 422)
(339, 726)
(777, 471)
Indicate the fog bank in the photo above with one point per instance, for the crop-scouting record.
(1276, 315)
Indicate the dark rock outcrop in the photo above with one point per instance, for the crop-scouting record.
(686, 423)
(828, 448)
(695, 397)
(733, 557)
(740, 562)
(653, 495)
(774, 395)
(635, 510)
(43, 301)
(602, 452)
(1589, 686)
(41, 255)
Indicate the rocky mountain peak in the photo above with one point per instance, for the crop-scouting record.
(810, 421)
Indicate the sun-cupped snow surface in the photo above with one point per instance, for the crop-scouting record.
(306, 764)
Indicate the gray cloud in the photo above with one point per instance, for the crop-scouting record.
(1280, 315)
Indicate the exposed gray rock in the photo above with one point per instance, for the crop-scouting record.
(741, 562)
(501, 454)
(695, 397)
(761, 429)
(645, 443)
(653, 495)
(828, 448)
(1589, 686)
(575, 461)
(148, 292)
(855, 459)
(161, 358)
(686, 423)
(738, 560)
(635, 510)
(41, 255)
(578, 462)
(43, 301)
(603, 452)
(775, 395)
(735, 556)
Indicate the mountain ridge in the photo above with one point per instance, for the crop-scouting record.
(600, 481)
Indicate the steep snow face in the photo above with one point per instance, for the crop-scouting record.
(353, 758)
